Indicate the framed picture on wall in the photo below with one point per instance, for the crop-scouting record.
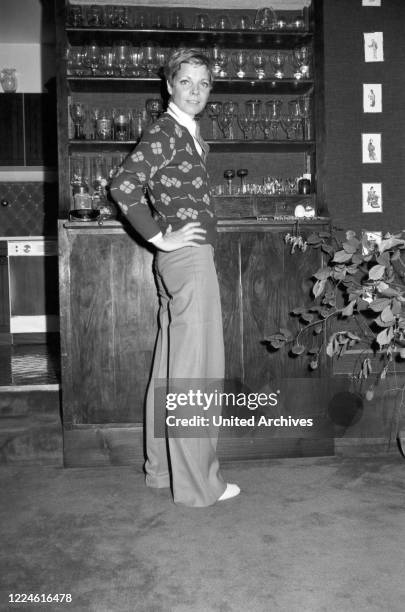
(372, 197)
(373, 47)
(372, 97)
(371, 148)
(371, 2)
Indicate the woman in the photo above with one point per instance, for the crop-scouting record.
(170, 162)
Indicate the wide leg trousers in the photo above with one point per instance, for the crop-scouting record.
(189, 346)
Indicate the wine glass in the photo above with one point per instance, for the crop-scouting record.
(301, 62)
(149, 58)
(229, 112)
(78, 177)
(202, 22)
(122, 56)
(242, 173)
(277, 60)
(228, 176)
(265, 19)
(289, 124)
(295, 112)
(243, 22)
(92, 57)
(99, 174)
(75, 61)
(107, 61)
(78, 115)
(139, 120)
(247, 125)
(259, 60)
(240, 60)
(223, 23)
(253, 109)
(265, 123)
(214, 110)
(273, 109)
(154, 108)
(220, 61)
(305, 112)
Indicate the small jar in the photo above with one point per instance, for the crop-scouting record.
(104, 126)
(304, 186)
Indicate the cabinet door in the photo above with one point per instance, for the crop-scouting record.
(108, 327)
(40, 130)
(11, 130)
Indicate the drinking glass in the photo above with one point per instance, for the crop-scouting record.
(119, 17)
(139, 120)
(135, 65)
(220, 61)
(229, 176)
(78, 176)
(78, 115)
(295, 113)
(240, 60)
(223, 23)
(75, 61)
(305, 107)
(176, 21)
(289, 125)
(75, 17)
(253, 110)
(301, 62)
(265, 123)
(95, 16)
(121, 124)
(99, 174)
(247, 125)
(92, 57)
(277, 61)
(104, 125)
(202, 22)
(265, 19)
(149, 58)
(273, 109)
(154, 108)
(122, 56)
(107, 61)
(243, 23)
(259, 60)
(214, 110)
(229, 112)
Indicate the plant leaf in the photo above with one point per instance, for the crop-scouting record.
(342, 256)
(376, 272)
(379, 304)
(322, 273)
(385, 336)
(348, 310)
(298, 349)
(318, 288)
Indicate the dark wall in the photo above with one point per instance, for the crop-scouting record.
(345, 21)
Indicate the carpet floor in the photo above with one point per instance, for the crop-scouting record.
(306, 535)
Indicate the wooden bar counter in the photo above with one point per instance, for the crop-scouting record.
(108, 309)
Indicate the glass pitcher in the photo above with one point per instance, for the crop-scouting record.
(8, 80)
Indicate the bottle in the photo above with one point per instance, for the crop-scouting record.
(304, 184)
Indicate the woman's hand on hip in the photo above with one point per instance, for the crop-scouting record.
(191, 234)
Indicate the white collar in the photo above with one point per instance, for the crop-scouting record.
(181, 117)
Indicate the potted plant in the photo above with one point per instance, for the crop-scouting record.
(358, 302)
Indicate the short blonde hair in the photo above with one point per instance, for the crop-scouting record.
(187, 56)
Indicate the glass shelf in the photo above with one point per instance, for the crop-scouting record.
(155, 84)
(216, 146)
(168, 37)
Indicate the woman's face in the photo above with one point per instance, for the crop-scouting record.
(190, 88)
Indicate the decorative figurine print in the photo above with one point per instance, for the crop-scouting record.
(371, 148)
(372, 197)
(372, 97)
(373, 47)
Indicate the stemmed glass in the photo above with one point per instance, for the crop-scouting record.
(78, 115)
(136, 62)
(139, 120)
(259, 60)
(154, 108)
(202, 22)
(301, 61)
(273, 108)
(247, 125)
(220, 61)
(226, 119)
(78, 176)
(277, 60)
(92, 57)
(294, 112)
(265, 19)
(149, 58)
(289, 124)
(253, 110)
(305, 112)
(265, 123)
(122, 56)
(107, 61)
(214, 110)
(75, 61)
(99, 175)
(240, 60)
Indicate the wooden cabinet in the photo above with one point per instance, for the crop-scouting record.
(28, 129)
(108, 309)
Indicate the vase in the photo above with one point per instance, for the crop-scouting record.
(8, 80)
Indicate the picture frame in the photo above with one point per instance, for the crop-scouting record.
(372, 201)
(372, 97)
(373, 47)
(371, 148)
